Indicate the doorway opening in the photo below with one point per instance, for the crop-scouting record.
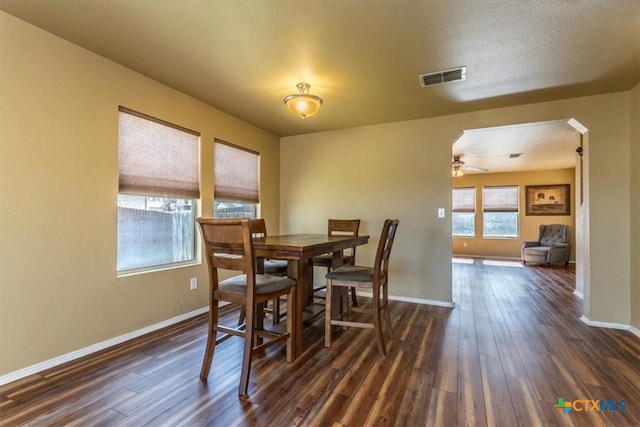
(514, 157)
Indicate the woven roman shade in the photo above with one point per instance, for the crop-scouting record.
(464, 199)
(500, 199)
(236, 173)
(156, 158)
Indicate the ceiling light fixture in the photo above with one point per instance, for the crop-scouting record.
(456, 171)
(456, 167)
(303, 104)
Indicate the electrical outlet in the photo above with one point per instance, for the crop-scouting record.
(464, 244)
(440, 212)
(194, 283)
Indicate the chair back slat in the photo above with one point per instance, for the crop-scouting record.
(228, 262)
(228, 245)
(344, 227)
(258, 227)
(385, 244)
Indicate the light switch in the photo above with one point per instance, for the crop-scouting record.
(440, 212)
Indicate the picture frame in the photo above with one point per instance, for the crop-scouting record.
(552, 199)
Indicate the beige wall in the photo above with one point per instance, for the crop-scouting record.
(527, 225)
(373, 173)
(403, 170)
(635, 205)
(59, 183)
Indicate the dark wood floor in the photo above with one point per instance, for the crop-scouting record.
(513, 345)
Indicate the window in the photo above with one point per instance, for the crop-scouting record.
(464, 212)
(159, 182)
(500, 211)
(236, 186)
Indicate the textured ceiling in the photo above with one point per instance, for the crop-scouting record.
(362, 57)
(542, 145)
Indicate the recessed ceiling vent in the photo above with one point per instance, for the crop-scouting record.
(515, 155)
(444, 76)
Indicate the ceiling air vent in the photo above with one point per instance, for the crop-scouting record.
(515, 155)
(444, 76)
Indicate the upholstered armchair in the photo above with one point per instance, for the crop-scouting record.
(552, 246)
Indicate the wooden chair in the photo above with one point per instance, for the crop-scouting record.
(374, 279)
(228, 245)
(338, 227)
(276, 267)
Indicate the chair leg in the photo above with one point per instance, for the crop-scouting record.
(345, 311)
(377, 327)
(241, 316)
(387, 316)
(291, 314)
(248, 351)
(387, 319)
(354, 298)
(211, 341)
(327, 314)
(275, 311)
(258, 323)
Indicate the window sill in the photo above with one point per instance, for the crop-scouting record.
(159, 268)
(500, 238)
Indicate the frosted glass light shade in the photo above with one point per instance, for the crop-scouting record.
(303, 104)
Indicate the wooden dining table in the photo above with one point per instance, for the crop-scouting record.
(298, 250)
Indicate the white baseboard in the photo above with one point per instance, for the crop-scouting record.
(608, 325)
(579, 294)
(414, 300)
(510, 258)
(59, 360)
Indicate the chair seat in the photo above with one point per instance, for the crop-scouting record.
(326, 260)
(265, 284)
(538, 250)
(275, 266)
(351, 273)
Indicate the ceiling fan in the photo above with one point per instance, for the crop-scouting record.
(458, 167)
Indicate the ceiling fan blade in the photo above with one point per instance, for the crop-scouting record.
(477, 168)
(459, 164)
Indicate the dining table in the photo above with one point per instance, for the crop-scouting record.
(298, 250)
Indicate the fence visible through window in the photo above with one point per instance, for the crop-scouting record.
(222, 209)
(153, 234)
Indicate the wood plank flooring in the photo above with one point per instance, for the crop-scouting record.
(512, 346)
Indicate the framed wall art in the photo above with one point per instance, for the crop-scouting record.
(548, 199)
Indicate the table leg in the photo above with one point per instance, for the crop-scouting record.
(337, 259)
(302, 298)
(308, 277)
(302, 271)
